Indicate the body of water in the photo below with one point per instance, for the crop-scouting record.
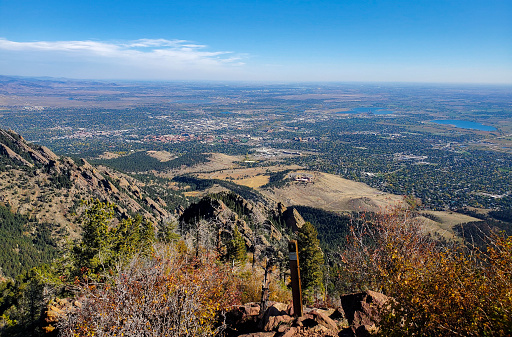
(465, 124)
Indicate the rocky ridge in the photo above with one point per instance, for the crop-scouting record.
(36, 182)
(262, 227)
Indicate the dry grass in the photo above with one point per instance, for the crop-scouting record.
(445, 222)
(253, 182)
(162, 156)
(333, 193)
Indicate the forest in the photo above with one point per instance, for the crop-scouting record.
(34, 243)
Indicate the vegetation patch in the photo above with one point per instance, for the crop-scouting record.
(142, 162)
(23, 245)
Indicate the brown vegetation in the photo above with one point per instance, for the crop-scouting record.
(167, 294)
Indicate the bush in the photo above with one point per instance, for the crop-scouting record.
(162, 295)
(252, 282)
(438, 290)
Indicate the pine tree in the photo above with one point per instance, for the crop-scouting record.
(107, 241)
(236, 247)
(311, 258)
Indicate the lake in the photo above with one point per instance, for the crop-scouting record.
(465, 124)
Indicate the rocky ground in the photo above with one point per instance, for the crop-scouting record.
(357, 315)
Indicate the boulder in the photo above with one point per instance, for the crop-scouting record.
(324, 320)
(287, 332)
(275, 315)
(250, 309)
(272, 323)
(363, 308)
(243, 319)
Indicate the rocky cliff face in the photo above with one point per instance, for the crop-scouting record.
(289, 217)
(48, 188)
(221, 213)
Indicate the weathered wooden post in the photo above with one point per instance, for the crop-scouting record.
(264, 289)
(295, 276)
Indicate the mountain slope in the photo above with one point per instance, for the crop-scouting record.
(46, 188)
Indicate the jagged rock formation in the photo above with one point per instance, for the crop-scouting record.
(5, 150)
(36, 182)
(224, 211)
(289, 217)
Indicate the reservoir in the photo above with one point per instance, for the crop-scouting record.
(465, 124)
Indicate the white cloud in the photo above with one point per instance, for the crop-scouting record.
(138, 59)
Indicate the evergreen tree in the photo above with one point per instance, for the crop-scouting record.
(311, 258)
(236, 247)
(107, 241)
(167, 232)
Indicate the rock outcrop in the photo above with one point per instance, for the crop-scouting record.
(362, 310)
(290, 217)
(225, 211)
(278, 321)
(56, 183)
(358, 316)
(7, 151)
(55, 311)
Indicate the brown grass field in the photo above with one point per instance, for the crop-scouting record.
(333, 193)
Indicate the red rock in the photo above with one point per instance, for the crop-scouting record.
(363, 308)
(289, 332)
(273, 322)
(324, 320)
(250, 309)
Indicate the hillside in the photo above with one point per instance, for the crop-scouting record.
(333, 193)
(47, 188)
(43, 193)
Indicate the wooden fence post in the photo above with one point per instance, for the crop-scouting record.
(295, 276)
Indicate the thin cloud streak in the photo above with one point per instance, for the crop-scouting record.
(162, 59)
(167, 59)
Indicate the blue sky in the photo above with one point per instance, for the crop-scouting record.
(466, 41)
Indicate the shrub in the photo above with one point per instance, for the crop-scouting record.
(251, 286)
(438, 290)
(161, 295)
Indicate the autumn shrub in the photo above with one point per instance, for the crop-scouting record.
(251, 283)
(165, 294)
(438, 289)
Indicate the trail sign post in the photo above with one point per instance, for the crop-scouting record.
(295, 276)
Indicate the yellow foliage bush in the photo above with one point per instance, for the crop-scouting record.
(438, 289)
(251, 283)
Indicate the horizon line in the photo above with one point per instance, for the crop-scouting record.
(60, 78)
